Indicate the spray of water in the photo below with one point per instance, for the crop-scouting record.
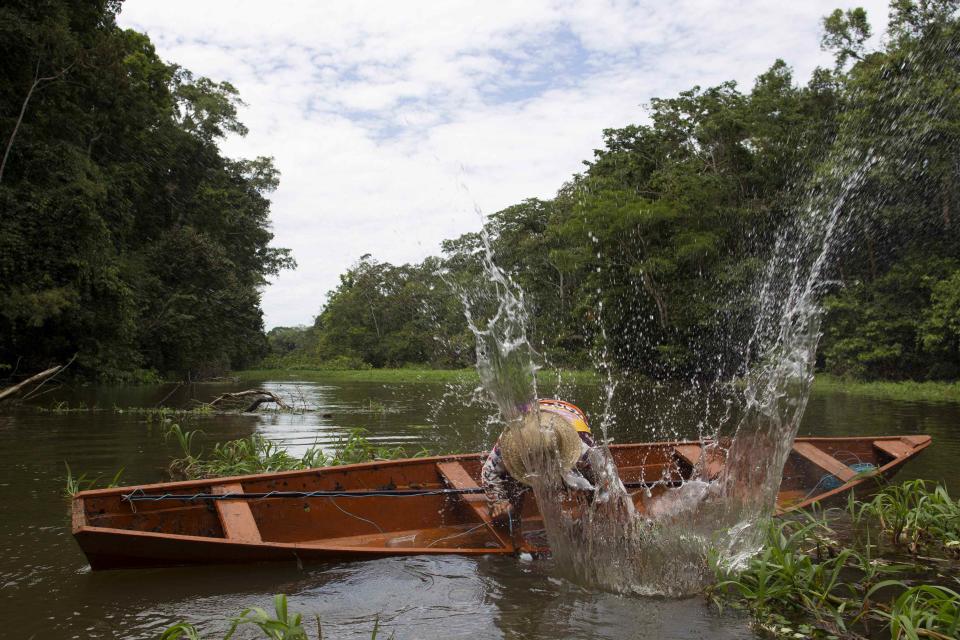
(600, 539)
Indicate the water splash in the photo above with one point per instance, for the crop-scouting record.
(604, 542)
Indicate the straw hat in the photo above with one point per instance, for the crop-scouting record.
(541, 435)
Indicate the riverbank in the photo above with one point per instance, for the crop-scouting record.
(406, 375)
(903, 391)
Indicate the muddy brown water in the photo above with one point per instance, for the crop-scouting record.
(48, 592)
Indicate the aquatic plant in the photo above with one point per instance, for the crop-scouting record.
(75, 484)
(257, 454)
(796, 573)
(281, 625)
(925, 610)
(805, 576)
(914, 515)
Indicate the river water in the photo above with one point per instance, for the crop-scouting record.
(47, 590)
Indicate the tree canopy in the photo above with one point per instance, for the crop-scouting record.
(126, 237)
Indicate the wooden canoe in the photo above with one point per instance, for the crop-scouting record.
(443, 517)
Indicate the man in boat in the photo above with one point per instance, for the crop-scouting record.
(553, 433)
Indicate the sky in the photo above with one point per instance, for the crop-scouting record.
(398, 124)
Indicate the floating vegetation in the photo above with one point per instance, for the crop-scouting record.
(151, 414)
(257, 454)
(804, 581)
(281, 625)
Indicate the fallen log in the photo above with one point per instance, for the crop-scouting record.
(40, 377)
(259, 396)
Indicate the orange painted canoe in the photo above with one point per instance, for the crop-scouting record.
(410, 507)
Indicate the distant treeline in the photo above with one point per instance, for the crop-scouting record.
(126, 238)
(662, 236)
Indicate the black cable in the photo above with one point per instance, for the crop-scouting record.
(138, 495)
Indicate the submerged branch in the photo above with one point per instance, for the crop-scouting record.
(254, 398)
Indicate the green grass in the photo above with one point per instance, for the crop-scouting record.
(906, 391)
(398, 375)
(903, 391)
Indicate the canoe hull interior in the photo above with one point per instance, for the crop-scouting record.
(116, 533)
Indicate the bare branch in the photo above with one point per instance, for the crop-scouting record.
(37, 81)
(43, 375)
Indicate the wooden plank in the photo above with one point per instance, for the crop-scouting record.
(820, 458)
(692, 453)
(456, 477)
(916, 441)
(894, 448)
(236, 518)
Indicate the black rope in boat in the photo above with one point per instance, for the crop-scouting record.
(139, 495)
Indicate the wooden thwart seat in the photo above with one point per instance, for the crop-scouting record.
(893, 448)
(820, 458)
(236, 518)
(456, 477)
(692, 453)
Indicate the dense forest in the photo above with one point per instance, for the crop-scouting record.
(127, 239)
(661, 237)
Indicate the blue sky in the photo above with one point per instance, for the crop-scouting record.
(393, 123)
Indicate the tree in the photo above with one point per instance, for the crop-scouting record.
(127, 238)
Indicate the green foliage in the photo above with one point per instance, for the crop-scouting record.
(126, 237)
(924, 610)
(257, 454)
(281, 625)
(785, 578)
(907, 391)
(805, 577)
(75, 484)
(915, 516)
(940, 330)
(846, 33)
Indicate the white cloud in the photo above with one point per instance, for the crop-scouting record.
(376, 113)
